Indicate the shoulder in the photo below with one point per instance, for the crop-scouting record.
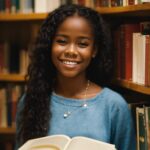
(111, 95)
(116, 105)
(113, 98)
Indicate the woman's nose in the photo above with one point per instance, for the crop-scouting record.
(71, 51)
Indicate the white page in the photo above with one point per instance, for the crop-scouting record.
(83, 143)
(54, 141)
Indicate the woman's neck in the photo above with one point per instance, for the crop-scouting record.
(71, 87)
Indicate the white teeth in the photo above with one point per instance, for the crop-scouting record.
(69, 62)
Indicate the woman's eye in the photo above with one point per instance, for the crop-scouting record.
(83, 45)
(62, 42)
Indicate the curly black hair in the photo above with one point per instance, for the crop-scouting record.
(36, 114)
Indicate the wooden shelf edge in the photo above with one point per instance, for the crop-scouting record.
(124, 9)
(12, 77)
(133, 86)
(7, 130)
(22, 17)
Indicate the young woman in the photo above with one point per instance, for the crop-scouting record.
(67, 89)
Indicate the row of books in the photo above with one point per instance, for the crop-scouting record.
(42, 6)
(132, 44)
(13, 59)
(28, 6)
(8, 103)
(116, 3)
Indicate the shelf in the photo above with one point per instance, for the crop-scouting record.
(7, 130)
(133, 86)
(22, 17)
(12, 77)
(140, 9)
(132, 10)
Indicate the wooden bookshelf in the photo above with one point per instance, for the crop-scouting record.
(22, 17)
(12, 77)
(11, 22)
(7, 136)
(8, 130)
(132, 86)
(132, 10)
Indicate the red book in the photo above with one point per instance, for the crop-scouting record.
(117, 53)
(81, 2)
(97, 3)
(7, 6)
(147, 61)
(1, 57)
(131, 2)
(128, 30)
(15, 94)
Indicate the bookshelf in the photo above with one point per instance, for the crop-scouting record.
(31, 22)
(132, 86)
(12, 77)
(8, 130)
(130, 10)
(22, 17)
(143, 9)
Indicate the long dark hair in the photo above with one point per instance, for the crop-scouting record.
(35, 115)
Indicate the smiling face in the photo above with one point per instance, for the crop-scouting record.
(73, 47)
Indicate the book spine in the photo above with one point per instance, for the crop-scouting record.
(82, 2)
(3, 112)
(141, 59)
(40, 6)
(129, 29)
(1, 57)
(147, 61)
(2, 6)
(135, 57)
(13, 6)
(122, 54)
(147, 124)
(117, 52)
(141, 129)
(7, 6)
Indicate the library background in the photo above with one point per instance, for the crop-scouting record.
(129, 21)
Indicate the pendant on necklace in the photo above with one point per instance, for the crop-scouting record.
(67, 114)
(84, 105)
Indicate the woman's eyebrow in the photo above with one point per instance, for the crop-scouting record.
(62, 35)
(82, 37)
(85, 37)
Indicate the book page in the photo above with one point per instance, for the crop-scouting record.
(44, 147)
(54, 142)
(83, 143)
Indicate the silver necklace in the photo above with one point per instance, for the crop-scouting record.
(84, 105)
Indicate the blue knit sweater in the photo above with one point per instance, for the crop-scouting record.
(106, 118)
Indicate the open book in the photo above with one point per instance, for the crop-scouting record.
(63, 142)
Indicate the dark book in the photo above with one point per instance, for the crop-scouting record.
(2, 6)
(147, 119)
(14, 59)
(145, 27)
(141, 129)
